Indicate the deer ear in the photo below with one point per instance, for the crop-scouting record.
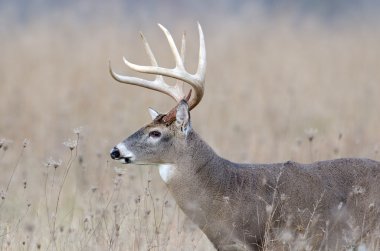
(153, 113)
(183, 117)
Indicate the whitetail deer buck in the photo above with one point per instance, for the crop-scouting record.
(327, 205)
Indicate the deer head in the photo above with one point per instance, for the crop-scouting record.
(160, 141)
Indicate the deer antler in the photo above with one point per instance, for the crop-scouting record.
(196, 81)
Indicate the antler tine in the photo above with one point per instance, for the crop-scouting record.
(201, 71)
(183, 47)
(183, 54)
(173, 47)
(148, 51)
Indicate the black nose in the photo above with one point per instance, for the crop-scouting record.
(115, 153)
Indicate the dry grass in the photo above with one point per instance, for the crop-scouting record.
(267, 82)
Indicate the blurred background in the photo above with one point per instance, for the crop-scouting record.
(295, 80)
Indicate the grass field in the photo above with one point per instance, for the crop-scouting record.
(270, 85)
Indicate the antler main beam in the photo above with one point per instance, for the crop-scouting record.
(196, 81)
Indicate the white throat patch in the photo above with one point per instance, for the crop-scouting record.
(167, 172)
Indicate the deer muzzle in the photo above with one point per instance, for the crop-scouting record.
(119, 152)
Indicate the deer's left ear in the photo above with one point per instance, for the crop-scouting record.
(183, 117)
(153, 113)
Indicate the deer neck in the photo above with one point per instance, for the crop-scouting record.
(195, 176)
(196, 161)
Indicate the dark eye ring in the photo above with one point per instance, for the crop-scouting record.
(155, 134)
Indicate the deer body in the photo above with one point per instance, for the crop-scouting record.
(245, 206)
(230, 201)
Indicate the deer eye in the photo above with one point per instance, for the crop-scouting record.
(155, 134)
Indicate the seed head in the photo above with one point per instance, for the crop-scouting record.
(78, 130)
(119, 171)
(138, 199)
(371, 205)
(25, 143)
(53, 163)
(310, 133)
(226, 199)
(4, 144)
(93, 189)
(283, 197)
(358, 190)
(86, 219)
(71, 144)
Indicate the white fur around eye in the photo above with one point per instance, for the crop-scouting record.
(153, 139)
